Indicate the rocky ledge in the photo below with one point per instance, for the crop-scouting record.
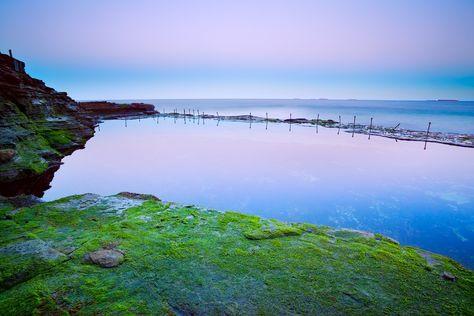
(111, 110)
(38, 127)
(134, 254)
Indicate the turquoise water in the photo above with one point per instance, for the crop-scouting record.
(420, 197)
(446, 116)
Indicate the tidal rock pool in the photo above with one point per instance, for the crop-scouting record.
(419, 197)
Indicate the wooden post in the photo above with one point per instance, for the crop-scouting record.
(317, 123)
(427, 134)
(250, 126)
(339, 129)
(370, 126)
(353, 126)
(290, 123)
(266, 120)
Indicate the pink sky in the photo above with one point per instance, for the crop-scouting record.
(348, 38)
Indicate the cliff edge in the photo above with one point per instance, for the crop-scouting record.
(38, 127)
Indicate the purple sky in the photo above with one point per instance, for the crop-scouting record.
(185, 49)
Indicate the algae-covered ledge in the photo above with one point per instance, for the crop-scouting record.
(149, 256)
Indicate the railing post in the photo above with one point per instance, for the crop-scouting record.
(427, 134)
(370, 126)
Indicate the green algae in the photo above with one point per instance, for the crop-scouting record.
(186, 260)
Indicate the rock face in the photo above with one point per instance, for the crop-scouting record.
(108, 110)
(38, 127)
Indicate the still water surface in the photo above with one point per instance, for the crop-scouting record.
(420, 197)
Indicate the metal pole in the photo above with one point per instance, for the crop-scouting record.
(370, 126)
(339, 129)
(427, 134)
(353, 126)
(317, 123)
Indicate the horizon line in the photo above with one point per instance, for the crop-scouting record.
(295, 99)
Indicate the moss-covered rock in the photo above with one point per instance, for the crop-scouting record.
(38, 127)
(188, 260)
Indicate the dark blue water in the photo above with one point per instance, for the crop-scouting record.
(446, 116)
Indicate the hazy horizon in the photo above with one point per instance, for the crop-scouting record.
(367, 50)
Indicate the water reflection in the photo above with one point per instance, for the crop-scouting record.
(419, 197)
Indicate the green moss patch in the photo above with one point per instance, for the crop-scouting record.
(186, 260)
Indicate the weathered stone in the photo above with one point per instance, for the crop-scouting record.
(107, 110)
(139, 196)
(6, 155)
(35, 247)
(106, 258)
(448, 276)
(33, 139)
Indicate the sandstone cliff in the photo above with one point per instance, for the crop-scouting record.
(38, 127)
(110, 110)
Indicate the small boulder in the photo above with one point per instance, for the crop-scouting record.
(138, 196)
(106, 258)
(6, 155)
(448, 276)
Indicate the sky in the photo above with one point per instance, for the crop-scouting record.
(365, 49)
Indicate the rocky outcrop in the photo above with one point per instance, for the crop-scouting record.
(38, 127)
(160, 258)
(110, 110)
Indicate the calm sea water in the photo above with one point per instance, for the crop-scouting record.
(446, 116)
(420, 197)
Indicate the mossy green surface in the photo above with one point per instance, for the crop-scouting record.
(34, 138)
(187, 260)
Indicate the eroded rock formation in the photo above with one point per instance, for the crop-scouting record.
(108, 110)
(38, 127)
